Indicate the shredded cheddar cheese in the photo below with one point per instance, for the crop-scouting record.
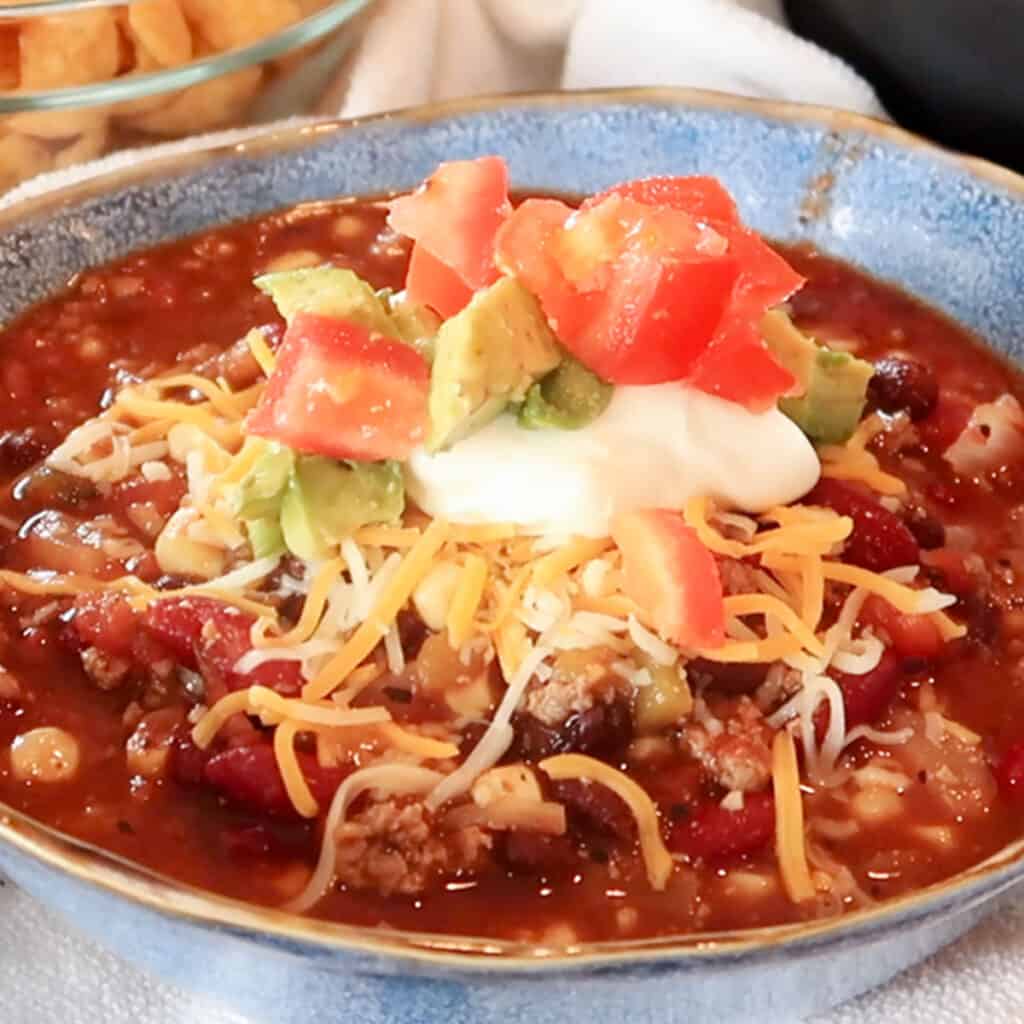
(291, 771)
(469, 592)
(420, 746)
(765, 604)
(557, 564)
(414, 567)
(261, 352)
(789, 820)
(312, 609)
(657, 859)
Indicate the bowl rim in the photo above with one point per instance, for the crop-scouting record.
(334, 15)
(157, 893)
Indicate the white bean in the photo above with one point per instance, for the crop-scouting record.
(46, 754)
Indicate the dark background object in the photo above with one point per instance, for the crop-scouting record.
(949, 69)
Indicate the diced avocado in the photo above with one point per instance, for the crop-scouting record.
(346, 495)
(834, 384)
(327, 500)
(568, 398)
(416, 325)
(790, 346)
(301, 532)
(261, 490)
(329, 291)
(664, 701)
(486, 356)
(265, 536)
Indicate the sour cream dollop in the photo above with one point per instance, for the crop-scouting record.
(653, 447)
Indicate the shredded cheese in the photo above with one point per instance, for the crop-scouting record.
(419, 746)
(291, 772)
(559, 563)
(261, 351)
(223, 401)
(312, 609)
(469, 592)
(657, 859)
(413, 568)
(772, 648)
(765, 604)
(789, 820)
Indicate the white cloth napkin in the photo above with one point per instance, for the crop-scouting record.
(420, 50)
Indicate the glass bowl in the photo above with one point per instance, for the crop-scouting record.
(80, 78)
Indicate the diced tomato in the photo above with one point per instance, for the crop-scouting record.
(672, 576)
(952, 565)
(433, 283)
(106, 621)
(702, 197)
(249, 776)
(341, 391)
(913, 636)
(714, 833)
(1009, 773)
(766, 279)
(642, 280)
(738, 367)
(880, 539)
(206, 634)
(455, 215)
(526, 248)
(947, 421)
(164, 495)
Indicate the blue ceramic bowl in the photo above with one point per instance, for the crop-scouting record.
(948, 229)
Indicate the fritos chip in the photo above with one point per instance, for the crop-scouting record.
(202, 107)
(10, 57)
(69, 49)
(159, 30)
(226, 24)
(58, 124)
(87, 146)
(20, 158)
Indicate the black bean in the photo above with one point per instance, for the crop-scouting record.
(903, 385)
(591, 807)
(927, 530)
(600, 731)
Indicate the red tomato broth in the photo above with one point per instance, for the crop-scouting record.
(186, 832)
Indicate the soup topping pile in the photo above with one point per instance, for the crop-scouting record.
(526, 570)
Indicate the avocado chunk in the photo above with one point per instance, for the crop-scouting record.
(834, 383)
(328, 291)
(487, 356)
(261, 490)
(265, 536)
(568, 398)
(416, 325)
(327, 500)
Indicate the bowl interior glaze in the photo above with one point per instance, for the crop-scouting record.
(946, 228)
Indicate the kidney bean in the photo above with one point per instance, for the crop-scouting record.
(249, 777)
(714, 833)
(594, 807)
(187, 761)
(880, 539)
(867, 696)
(914, 636)
(1009, 773)
(534, 853)
(903, 385)
(202, 632)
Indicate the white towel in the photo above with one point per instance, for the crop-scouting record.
(421, 50)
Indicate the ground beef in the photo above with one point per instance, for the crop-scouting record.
(739, 756)
(107, 671)
(738, 577)
(392, 847)
(554, 701)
